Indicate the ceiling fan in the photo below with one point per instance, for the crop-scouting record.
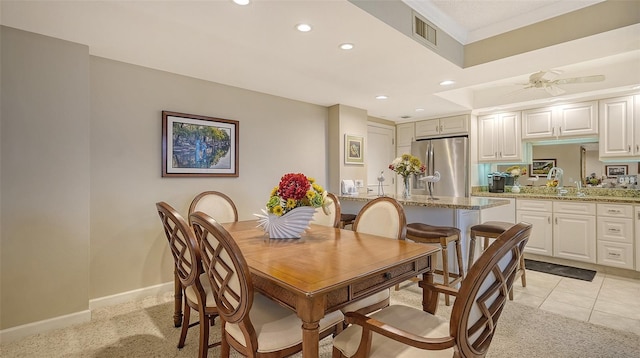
(549, 81)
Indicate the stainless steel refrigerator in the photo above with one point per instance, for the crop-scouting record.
(450, 157)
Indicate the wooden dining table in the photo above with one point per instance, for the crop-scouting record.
(326, 269)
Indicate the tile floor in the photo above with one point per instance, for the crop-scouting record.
(608, 300)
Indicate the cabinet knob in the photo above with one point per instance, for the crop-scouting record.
(629, 148)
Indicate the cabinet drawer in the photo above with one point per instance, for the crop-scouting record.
(615, 229)
(615, 210)
(534, 205)
(615, 254)
(574, 208)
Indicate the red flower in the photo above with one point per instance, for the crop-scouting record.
(294, 186)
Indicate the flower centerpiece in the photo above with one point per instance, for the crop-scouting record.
(516, 171)
(291, 206)
(407, 165)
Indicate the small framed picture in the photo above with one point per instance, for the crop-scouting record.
(541, 166)
(613, 171)
(353, 149)
(199, 146)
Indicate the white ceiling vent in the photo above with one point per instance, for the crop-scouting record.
(424, 31)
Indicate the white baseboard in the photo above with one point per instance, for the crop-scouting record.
(134, 295)
(29, 329)
(25, 330)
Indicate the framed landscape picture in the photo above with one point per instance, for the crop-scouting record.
(613, 171)
(541, 166)
(353, 149)
(199, 146)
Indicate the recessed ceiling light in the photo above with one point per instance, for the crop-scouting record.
(303, 27)
(346, 46)
(447, 83)
(419, 109)
(241, 2)
(381, 97)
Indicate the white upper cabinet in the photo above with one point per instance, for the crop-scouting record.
(619, 134)
(499, 138)
(443, 126)
(571, 120)
(405, 133)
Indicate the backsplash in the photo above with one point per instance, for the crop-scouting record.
(571, 191)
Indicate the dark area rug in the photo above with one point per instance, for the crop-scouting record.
(560, 270)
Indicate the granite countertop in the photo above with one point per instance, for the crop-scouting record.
(445, 202)
(569, 197)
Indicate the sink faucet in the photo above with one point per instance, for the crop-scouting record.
(580, 193)
(556, 173)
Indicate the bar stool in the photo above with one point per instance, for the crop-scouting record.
(491, 230)
(347, 219)
(443, 235)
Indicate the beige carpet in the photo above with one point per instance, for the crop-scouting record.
(145, 329)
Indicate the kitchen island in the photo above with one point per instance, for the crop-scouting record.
(460, 212)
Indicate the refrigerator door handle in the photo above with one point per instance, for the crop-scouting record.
(431, 160)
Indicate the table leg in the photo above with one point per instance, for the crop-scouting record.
(429, 298)
(177, 300)
(310, 310)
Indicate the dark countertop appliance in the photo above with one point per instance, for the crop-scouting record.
(496, 182)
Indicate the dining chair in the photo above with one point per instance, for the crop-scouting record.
(188, 267)
(252, 324)
(215, 204)
(383, 216)
(328, 214)
(403, 331)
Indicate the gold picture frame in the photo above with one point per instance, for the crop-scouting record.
(353, 149)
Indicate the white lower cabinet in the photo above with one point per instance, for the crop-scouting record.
(574, 237)
(537, 213)
(560, 229)
(615, 235)
(637, 220)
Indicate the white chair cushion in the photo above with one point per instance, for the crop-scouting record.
(190, 292)
(407, 318)
(380, 219)
(321, 218)
(368, 301)
(277, 327)
(217, 207)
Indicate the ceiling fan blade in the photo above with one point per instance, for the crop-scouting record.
(547, 75)
(564, 81)
(554, 90)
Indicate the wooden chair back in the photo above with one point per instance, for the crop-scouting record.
(329, 214)
(228, 273)
(383, 216)
(183, 246)
(215, 204)
(485, 290)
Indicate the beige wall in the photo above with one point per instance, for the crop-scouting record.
(81, 145)
(345, 120)
(44, 235)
